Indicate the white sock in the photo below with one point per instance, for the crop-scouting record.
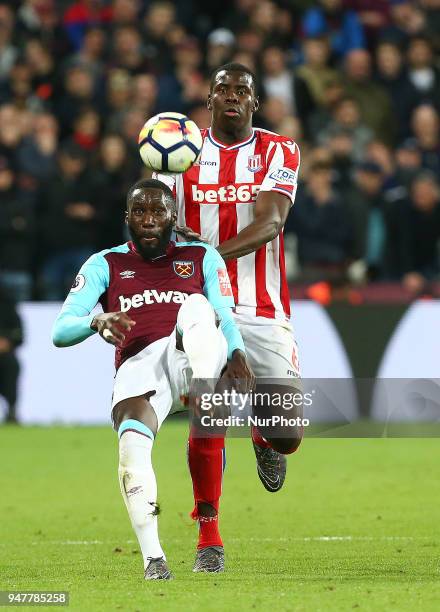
(202, 339)
(139, 490)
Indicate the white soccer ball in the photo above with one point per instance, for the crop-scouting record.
(170, 142)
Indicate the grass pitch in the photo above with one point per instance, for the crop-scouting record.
(355, 527)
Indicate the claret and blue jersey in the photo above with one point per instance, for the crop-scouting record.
(151, 292)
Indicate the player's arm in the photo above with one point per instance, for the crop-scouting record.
(218, 291)
(75, 322)
(271, 210)
(273, 203)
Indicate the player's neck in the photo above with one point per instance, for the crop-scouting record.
(231, 137)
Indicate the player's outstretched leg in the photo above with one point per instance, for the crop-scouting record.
(204, 345)
(139, 490)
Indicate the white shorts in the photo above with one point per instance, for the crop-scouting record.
(159, 367)
(270, 347)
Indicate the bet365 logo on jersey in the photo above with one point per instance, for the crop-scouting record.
(212, 194)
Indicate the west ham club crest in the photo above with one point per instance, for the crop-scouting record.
(184, 269)
(254, 163)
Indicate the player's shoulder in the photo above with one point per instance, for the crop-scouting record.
(101, 257)
(266, 136)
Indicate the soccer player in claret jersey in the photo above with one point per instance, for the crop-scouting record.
(160, 301)
(237, 197)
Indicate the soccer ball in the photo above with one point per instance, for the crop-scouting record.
(170, 142)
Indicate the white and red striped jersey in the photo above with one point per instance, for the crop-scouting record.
(216, 197)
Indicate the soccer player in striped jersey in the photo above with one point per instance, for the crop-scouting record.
(237, 197)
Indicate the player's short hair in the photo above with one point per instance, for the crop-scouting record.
(233, 67)
(152, 184)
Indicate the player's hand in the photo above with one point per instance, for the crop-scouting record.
(240, 373)
(113, 326)
(189, 234)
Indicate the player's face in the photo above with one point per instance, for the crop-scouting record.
(232, 101)
(150, 220)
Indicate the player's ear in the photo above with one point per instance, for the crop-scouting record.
(126, 217)
(209, 102)
(256, 105)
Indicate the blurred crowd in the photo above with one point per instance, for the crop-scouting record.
(355, 82)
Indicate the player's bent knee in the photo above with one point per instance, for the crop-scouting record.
(195, 309)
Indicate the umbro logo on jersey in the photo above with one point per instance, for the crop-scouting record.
(151, 296)
(184, 269)
(254, 163)
(127, 274)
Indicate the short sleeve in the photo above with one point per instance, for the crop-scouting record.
(217, 287)
(90, 283)
(283, 160)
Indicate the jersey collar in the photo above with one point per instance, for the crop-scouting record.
(231, 147)
(169, 250)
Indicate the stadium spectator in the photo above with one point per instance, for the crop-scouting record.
(322, 227)
(118, 93)
(393, 77)
(11, 336)
(372, 99)
(220, 46)
(36, 154)
(86, 128)
(408, 162)
(40, 18)
(366, 206)
(280, 82)
(68, 222)
(125, 12)
(17, 234)
(425, 124)
(277, 80)
(158, 21)
(91, 53)
(422, 72)
(82, 14)
(42, 64)
(331, 19)
(79, 93)
(114, 173)
(374, 16)
(316, 71)
(250, 41)
(20, 92)
(238, 15)
(407, 20)
(12, 128)
(128, 51)
(431, 10)
(8, 51)
(322, 115)
(144, 94)
(419, 234)
(346, 121)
